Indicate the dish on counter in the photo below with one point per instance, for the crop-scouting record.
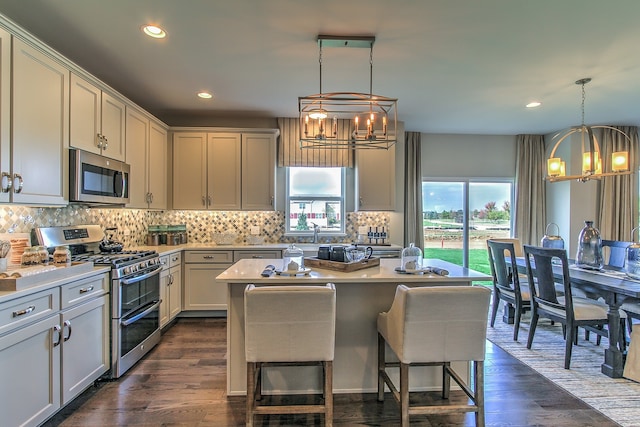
(300, 272)
(412, 270)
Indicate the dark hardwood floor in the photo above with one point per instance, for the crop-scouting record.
(182, 382)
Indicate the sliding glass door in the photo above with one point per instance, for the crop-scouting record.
(459, 216)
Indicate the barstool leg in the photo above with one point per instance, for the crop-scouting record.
(328, 393)
(404, 394)
(251, 370)
(446, 380)
(381, 367)
(478, 385)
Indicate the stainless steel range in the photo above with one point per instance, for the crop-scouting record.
(135, 288)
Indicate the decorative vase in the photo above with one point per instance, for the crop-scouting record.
(589, 248)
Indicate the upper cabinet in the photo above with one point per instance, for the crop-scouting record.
(258, 171)
(5, 115)
(376, 175)
(223, 170)
(40, 128)
(146, 153)
(97, 120)
(206, 171)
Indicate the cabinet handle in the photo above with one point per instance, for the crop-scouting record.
(257, 256)
(7, 182)
(361, 201)
(56, 330)
(105, 142)
(204, 203)
(170, 279)
(208, 256)
(85, 290)
(175, 258)
(209, 200)
(18, 189)
(25, 311)
(150, 197)
(67, 324)
(271, 200)
(99, 140)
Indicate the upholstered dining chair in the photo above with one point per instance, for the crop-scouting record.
(506, 282)
(617, 252)
(434, 326)
(571, 312)
(289, 326)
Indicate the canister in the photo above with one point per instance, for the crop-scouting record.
(552, 240)
(632, 259)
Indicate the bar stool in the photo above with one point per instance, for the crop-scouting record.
(289, 326)
(434, 326)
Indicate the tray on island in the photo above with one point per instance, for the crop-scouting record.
(341, 266)
(27, 277)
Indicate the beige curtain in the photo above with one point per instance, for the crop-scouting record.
(530, 197)
(618, 207)
(413, 229)
(290, 153)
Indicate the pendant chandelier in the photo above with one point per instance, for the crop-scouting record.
(591, 157)
(347, 120)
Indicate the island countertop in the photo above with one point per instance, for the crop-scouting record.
(360, 296)
(249, 271)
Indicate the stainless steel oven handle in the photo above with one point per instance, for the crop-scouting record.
(140, 315)
(136, 279)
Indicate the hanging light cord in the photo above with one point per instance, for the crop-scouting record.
(583, 97)
(371, 71)
(320, 63)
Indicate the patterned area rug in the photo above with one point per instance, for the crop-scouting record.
(618, 399)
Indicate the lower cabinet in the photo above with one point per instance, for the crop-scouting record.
(45, 362)
(170, 287)
(201, 289)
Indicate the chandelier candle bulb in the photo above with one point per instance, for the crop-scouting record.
(620, 161)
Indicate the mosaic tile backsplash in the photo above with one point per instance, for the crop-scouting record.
(132, 223)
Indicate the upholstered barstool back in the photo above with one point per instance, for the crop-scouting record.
(291, 326)
(435, 325)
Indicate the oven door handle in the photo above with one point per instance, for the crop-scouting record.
(140, 315)
(142, 277)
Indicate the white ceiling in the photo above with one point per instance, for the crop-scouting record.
(456, 66)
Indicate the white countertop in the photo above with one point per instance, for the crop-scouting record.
(249, 271)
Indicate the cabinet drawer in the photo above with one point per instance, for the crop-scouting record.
(238, 255)
(164, 261)
(175, 259)
(20, 311)
(85, 289)
(213, 257)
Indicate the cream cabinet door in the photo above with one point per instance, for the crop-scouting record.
(85, 345)
(5, 116)
(164, 292)
(190, 170)
(40, 111)
(258, 171)
(97, 120)
(157, 167)
(30, 372)
(175, 292)
(137, 137)
(201, 289)
(85, 115)
(223, 171)
(113, 127)
(376, 179)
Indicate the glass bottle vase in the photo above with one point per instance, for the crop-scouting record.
(589, 248)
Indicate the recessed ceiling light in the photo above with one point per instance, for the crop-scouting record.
(205, 95)
(534, 104)
(154, 31)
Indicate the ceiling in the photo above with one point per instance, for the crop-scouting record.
(456, 66)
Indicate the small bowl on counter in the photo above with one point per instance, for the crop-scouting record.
(255, 240)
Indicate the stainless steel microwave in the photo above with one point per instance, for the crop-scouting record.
(97, 179)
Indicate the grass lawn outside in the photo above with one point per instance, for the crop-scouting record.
(478, 258)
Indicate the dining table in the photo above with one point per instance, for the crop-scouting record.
(615, 287)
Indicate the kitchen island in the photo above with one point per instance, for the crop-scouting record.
(360, 296)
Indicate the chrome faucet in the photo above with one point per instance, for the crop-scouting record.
(316, 229)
